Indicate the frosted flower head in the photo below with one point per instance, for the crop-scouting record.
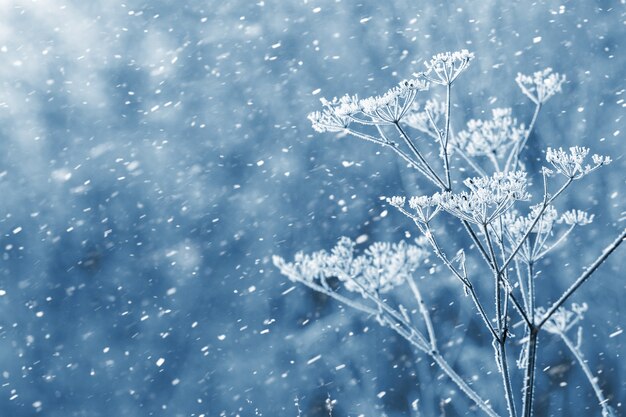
(394, 104)
(546, 219)
(601, 160)
(516, 226)
(445, 67)
(491, 138)
(570, 163)
(420, 202)
(380, 268)
(425, 208)
(346, 106)
(396, 201)
(488, 197)
(576, 218)
(423, 120)
(335, 116)
(388, 265)
(541, 85)
(563, 319)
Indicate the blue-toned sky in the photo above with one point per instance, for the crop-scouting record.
(155, 154)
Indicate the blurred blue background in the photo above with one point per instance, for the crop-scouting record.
(154, 155)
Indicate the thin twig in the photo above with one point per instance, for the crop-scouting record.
(584, 277)
(602, 400)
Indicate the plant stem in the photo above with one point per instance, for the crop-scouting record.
(444, 143)
(439, 360)
(445, 367)
(590, 376)
(584, 277)
(424, 312)
(500, 319)
(529, 376)
(546, 202)
(419, 156)
(517, 149)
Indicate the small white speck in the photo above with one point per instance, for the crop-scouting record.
(339, 367)
(362, 239)
(17, 230)
(381, 394)
(287, 291)
(365, 19)
(316, 91)
(537, 39)
(221, 337)
(317, 10)
(176, 381)
(3, 293)
(37, 404)
(160, 362)
(314, 359)
(276, 45)
(260, 163)
(616, 333)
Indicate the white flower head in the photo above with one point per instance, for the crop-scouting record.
(571, 164)
(601, 160)
(493, 137)
(426, 208)
(488, 197)
(334, 117)
(445, 67)
(396, 201)
(391, 107)
(576, 217)
(541, 85)
(380, 268)
(563, 319)
(426, 120)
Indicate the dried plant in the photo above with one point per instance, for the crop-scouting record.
(510, 233)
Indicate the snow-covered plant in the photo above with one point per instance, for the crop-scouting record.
(507, 231)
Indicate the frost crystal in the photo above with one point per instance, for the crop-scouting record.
(541, 85)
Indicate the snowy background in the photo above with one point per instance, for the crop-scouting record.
(154, 155)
